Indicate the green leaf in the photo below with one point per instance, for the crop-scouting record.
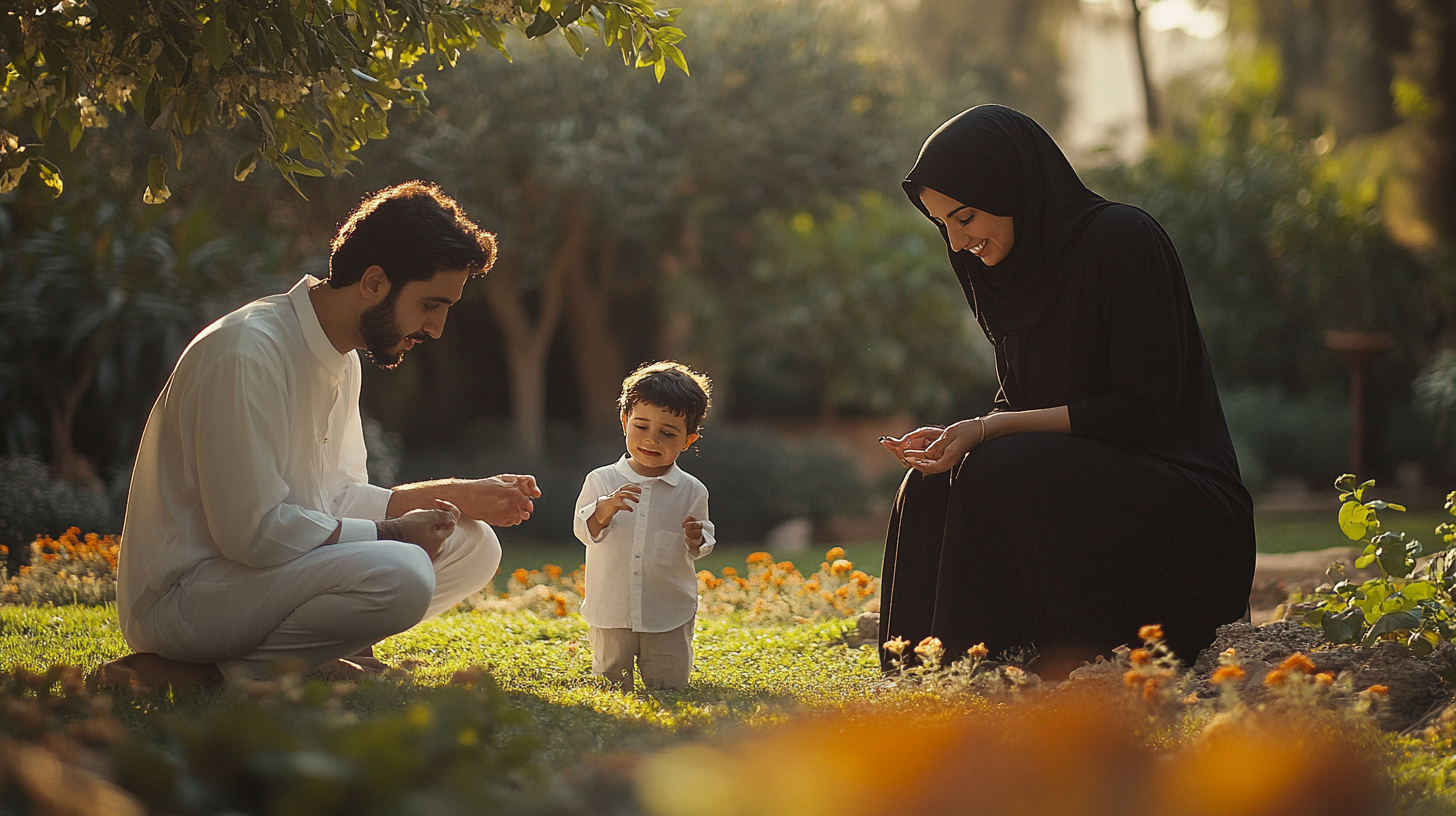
(50, 176)
(676, 55)
(1392, 622)
(541, 25)
(70, 122)
(1364, 561)
(157, 191)
(1353, 520)
(1343, 627)
(1418, 590)
(246, 165)
(659, 68)
(574, 38)
(217, 43)
(1400, 508)
(1422, 643)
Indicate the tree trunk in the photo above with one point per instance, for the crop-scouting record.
(598, 351)
(66, 462)
(527, 338)
(1149, 96)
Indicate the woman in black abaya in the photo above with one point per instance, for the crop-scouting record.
(1102, 492)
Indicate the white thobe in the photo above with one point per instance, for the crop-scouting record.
(639, 570)
(252, 457)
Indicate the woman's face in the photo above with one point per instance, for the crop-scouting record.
(988, 237)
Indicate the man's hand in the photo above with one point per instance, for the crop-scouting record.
(694, 530)
(500, 501)
(426, 529)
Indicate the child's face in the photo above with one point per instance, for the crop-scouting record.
(655, 438)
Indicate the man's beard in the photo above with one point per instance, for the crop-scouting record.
(380, 330)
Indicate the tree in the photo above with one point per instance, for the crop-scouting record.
(314, 78)
(861, 307)
(605, 186)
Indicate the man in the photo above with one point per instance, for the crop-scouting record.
(253, 540)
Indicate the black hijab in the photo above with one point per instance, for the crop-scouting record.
(1001, 161)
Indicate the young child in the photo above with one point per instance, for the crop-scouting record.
(644, 522)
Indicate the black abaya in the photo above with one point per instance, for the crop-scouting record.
(1071, 542)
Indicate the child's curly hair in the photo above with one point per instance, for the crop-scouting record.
(669, 385)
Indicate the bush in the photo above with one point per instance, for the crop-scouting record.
(32, 505)
(1275, 434)
(71, 570)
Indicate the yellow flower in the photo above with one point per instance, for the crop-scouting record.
(1151, 632)
(759, 558)
(1325, 679)
(834, 554)
(729, 572)
(840, 567)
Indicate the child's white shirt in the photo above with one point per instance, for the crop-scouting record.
(639, 571)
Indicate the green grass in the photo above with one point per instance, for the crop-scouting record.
(1296, 532)
(743, 674)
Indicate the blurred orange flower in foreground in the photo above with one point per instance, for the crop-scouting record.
(1082, 755)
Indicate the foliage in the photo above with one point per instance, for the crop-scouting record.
(70, 570)
(315, 78)
(771, 593)
(285, 747)
(1280, 239)
(95, 308)
(859, 306)
(1279, 434)
(1409, 601)
(32, 505)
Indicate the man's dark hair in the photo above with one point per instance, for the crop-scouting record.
(411, 230)
(669, 385)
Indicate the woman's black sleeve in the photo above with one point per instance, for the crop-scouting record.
(1147, 321)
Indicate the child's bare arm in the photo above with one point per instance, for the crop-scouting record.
(608, 506)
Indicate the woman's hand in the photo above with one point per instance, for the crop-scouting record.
(947, 448)
(919, 439)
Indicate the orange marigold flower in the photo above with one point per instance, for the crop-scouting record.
(978, 651)
(552, 571)
(1150, 688)
(729, 572)
(560, 605)
(1150, 632)
(742, 583)
(520, 576)
(1132, 678)
(859, 578)
(840, 567)
(1297, 662)
(759, 558)
(1226, 674)
(811, 585)
(842, 592)
(929, 645)
(1381, 690)
(1325, 679)
(1140, 657)
(1276, 677)
(834, 554)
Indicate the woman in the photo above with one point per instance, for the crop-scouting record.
(1102, 492)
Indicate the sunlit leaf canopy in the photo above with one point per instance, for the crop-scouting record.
(315, 79)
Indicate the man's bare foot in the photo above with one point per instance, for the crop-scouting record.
(346, 669)
(145, 671)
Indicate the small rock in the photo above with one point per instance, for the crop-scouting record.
(866, 631)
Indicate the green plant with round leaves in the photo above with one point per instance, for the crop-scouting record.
(315, 78)
(1410, 601)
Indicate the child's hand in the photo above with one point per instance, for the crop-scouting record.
(607, 506)
(694, 530)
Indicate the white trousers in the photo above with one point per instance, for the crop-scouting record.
(326, 604)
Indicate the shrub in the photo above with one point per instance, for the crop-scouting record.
(1408, 601)
(70, 570)
(32, 505)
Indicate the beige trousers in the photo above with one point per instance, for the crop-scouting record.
(326, 604)
(664, 658)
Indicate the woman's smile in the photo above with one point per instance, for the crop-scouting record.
(993, 236)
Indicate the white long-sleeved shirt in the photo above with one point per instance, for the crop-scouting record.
(639, 570)
(254, 451)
